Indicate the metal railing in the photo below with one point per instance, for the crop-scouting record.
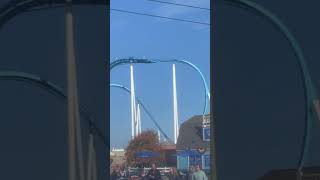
(135, 171)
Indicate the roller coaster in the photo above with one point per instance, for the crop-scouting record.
(57, 92)
(132, 60)
(11, 9)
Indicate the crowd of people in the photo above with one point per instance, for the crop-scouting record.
(194, 173)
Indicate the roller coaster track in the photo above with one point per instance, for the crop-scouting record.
(150, 61)
(145, 109)
(311, 98)
(15, 7)
(56, 91)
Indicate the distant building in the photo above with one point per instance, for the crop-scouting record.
(117, 156)
(169, 151)
(194, 139)
(309, 173)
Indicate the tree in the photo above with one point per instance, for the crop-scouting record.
(146, 141)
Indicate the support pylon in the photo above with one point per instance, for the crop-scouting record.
(175, 105)
(133, 106)
(74, 130)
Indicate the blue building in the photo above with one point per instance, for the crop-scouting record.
(193, 145)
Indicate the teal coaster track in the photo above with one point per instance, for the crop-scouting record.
(145, 109)
(150, 61)
(14, 7)
(57, 92)
(131, 60)
(310, 95)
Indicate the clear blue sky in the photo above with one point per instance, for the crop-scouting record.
(142, 36)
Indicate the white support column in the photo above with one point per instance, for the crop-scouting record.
(135, 109)
(159, 136)
(71, 130)
(74, 130)
(175, 106)
(91, 166)
(90, 158)
(78, 132)
(139, 119)
(94, 165)
(136, 125)
(133, 106)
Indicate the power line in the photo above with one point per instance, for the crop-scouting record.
(178, 4)
(157, 16)
(129, 12)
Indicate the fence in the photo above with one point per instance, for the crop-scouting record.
(135, 171)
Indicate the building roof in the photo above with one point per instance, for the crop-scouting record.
(190, 134)
(168, 146)
(115, 149)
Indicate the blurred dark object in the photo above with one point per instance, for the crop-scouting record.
(309, 173)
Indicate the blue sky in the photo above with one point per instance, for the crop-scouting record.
(142, 36)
